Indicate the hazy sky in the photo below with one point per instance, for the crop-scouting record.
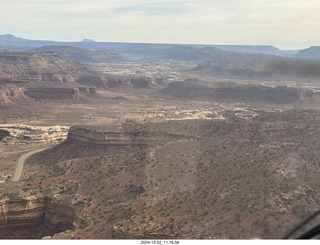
(287, 24)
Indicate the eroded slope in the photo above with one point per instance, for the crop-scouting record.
(203, 179)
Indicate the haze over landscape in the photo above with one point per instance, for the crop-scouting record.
(284, 24)
(158, 120)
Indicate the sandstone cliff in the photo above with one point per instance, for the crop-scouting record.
(85, 141)
(83, 135)
(32, 216)
(60, 93)
(46, 68)
(137, 82)
(9, 96)
(126, 133)
(12, 96)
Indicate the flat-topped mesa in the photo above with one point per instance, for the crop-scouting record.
(27, 67)
(107, 136)
(40, 69)
(94, 140)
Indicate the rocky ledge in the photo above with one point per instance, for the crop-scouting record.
(32, 216)
(12, 96)
(108, 136)
(137, 82)
(9, 96)
(48, 68)
(60, 93)
(3, 133)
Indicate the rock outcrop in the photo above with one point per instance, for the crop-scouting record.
(137, 82)
(33, 217)
(86, 141)
(83, 135)
(44, 68)
(60, 93)
(3, 133)
(82, 55)
(108, 136)
(9, 96)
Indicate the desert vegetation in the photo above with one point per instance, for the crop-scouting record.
(160, 143)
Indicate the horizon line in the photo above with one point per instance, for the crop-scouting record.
(90, 40)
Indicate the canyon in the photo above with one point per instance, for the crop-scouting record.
(156, 142)
(32, 216)
(152, 186)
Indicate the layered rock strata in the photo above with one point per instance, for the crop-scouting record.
(107, 137)
(60, 93)
(20, 68)
(138, 82)
(12, 96)
(33, 217)
(86, 141)
(9, 96)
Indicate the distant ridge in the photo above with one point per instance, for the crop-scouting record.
(11, 42)
(10, 37)
(265, 49)
(80, 54)
(312, 52)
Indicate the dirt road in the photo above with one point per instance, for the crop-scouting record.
(21, 161)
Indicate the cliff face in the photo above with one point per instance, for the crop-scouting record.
(26, 67)
(33, 68)
(44, 76)
(102, 138)
(33, 217)
(137, 82)
(60, 93)
(9, 96)
(83, 135)
(3, 133)
(86, 141)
